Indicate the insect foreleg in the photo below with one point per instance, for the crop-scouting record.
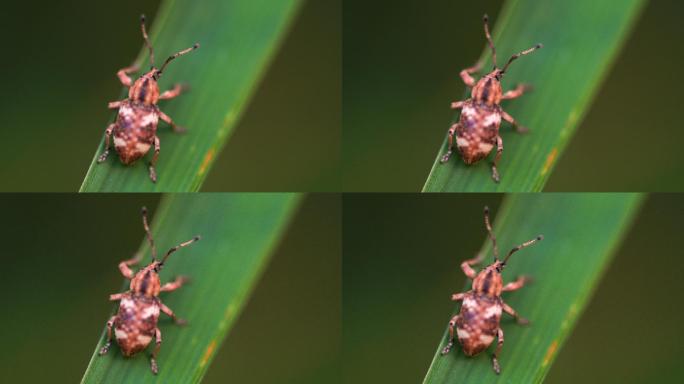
(105, 348)
(108, 135)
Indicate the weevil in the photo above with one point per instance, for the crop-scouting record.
(135, 324)
(135, 128)
(477, 130)
(478, 322)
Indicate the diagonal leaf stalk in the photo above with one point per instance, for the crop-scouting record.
(581, 40)
(581, 234)
(239, 233)
(238, 38)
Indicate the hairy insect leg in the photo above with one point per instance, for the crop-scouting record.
(518, 128)
(499, 150)
(157, 346)
(512, 312)
(105, 348)
(495, 357)
(171, 93)
(124, 72)
(517, 92)
(170, 122)
(172, 286)
(450, 146)
(125, 265)
(450, 344)
(153, 172)
(172, 315)
(466, 266)
(108, 135)
(517, 284)
(488, 225)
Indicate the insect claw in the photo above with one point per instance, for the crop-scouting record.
(495, 174)
(181, 322)
(154, 366)
(104, 349)
(495, 365)
(153, 174)
(103, 156)
(523, 321)
(446, 157)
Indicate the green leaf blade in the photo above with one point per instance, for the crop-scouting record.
(581, 40)
(239, 233)
(238, 39)
(581, 233)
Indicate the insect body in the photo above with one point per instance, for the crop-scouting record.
(135, 324)
(477, 323)
(135, 128)
(477, 131)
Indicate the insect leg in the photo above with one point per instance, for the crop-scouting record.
(153, 359)
(517, 92)
(171, 93)
(457, 104)
(125, 265)
(169, 312)
(114, 104)
(518, 128)
(105, 348)
(466, 73)
(116, 296)
(172, 286)
(466, 265)
(457, 296)
(450, 344)
(515, 285)
(512, 312)
(170, 122)
(124, 72)
(153, 172)
(108, 134)
(499, 150)
(450, 150)
(499, 344)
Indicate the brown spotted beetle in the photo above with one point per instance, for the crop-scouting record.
(477, 131)
(135, 128)
(477, 323)
(135, 324)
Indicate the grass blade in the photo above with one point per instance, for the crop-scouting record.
(581, 39)
(239, 232)
(237, 39)
(581, 232)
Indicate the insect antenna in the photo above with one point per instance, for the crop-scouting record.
(521, 246)
(178, 54)
(489, 38)
(177, 247)
(491, 233)
(149, 234)
(514, 57)
(147, 39)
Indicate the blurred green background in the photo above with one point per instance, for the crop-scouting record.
(401, 65)
(60, 68)
(401, 264)
(59, 264)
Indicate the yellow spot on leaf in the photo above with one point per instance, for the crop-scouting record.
(549, 161)
(207, 160)
(550, 352)
(208, 353)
